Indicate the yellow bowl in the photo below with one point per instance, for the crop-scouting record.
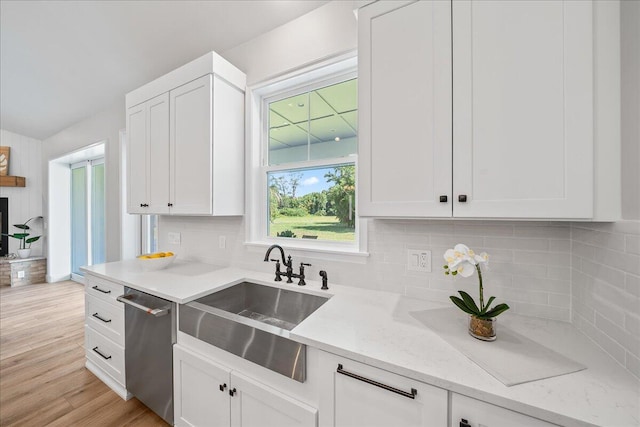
(153, 264)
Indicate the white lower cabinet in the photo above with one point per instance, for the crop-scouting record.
(104, 333)
(468, 412)
(209, 394)
(355, 394)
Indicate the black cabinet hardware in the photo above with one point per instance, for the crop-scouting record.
(169, 204)
(232, 392)
(464, 423)
(101, 354)
(410, 395)
(97, 316)
(443, 199)
(101, 290)
(223, 387)
(462, 198)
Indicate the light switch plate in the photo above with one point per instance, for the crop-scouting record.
(419, 260)
(174, 238)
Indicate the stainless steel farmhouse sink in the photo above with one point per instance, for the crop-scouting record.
(253, 321)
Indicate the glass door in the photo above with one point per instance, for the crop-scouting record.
(88, 244)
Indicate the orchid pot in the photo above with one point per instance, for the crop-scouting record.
(482, 317)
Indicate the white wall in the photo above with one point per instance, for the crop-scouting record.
(24, 203)
(106, 127)
(320, 34)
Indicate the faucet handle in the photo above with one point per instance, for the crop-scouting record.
(304, 263)
(274, 260)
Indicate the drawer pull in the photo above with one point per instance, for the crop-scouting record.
(410, 395)
(101, 290)
(97, 316)
(101, 354)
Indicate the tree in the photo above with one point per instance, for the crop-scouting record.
(341, 195)
(294, 182)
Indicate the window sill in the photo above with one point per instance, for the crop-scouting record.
(318, 251)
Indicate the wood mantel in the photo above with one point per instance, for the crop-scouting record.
(12, 181)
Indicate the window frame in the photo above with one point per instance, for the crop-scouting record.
(306, 79)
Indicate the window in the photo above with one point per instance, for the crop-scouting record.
(306, 168)
(149, 233)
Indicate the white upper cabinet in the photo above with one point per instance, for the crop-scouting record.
(404, 101)
(186, 141)
(523, 109)
(487, 109)
(148, 156)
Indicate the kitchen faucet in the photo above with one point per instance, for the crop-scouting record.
(289, 264)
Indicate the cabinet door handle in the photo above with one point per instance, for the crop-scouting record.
(443, 199)
(462, 198)
(410, 395)
(101, 354)
(232, 392)
(97, 316)
(223, 386)
(169, 204)
(101, 290)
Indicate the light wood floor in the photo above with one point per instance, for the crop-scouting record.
(43, 381)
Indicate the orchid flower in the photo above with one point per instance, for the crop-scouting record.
(464, 261)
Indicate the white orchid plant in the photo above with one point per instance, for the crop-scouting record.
(463, 261)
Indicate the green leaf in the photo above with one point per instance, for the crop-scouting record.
(469, 302)
(486, 307)
(21, 226)
(495, 311)
(32, 239)
(18, 235)
(461, 305)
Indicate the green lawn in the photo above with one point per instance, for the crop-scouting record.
(325, 227)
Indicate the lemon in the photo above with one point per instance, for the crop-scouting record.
(168, 253)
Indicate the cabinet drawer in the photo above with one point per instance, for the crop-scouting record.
(482, 414)
(107, 319)
(103, 289)
(106, 354)
(365, 395)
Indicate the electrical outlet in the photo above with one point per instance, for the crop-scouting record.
(21, 274)
(174, 238)
(222, 242)
(419, 260)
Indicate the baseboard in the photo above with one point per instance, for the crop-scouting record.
(53, 279)
(105, 378)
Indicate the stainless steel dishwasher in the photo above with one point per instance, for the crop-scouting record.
(150, 332)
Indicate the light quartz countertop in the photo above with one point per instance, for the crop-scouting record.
(376, 328)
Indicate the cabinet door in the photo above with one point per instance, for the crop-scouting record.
(523, 109)
(404, 102)
(481, 414)
(257, 405)
(137, 159)
(148, 156)
(158, 154)
(367, 396)
(191, 148)
(201, 390)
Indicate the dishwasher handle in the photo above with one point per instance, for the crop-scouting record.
(157, 312)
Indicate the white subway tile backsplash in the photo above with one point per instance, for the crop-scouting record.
(606, 287)
(632, 284)
(588, 273)
(603, 272)
(632, 244)
(629, 263)
(542, 231)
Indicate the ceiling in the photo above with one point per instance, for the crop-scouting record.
(325, 114)
(63, 61)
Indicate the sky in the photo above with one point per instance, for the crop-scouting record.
(312, 181)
